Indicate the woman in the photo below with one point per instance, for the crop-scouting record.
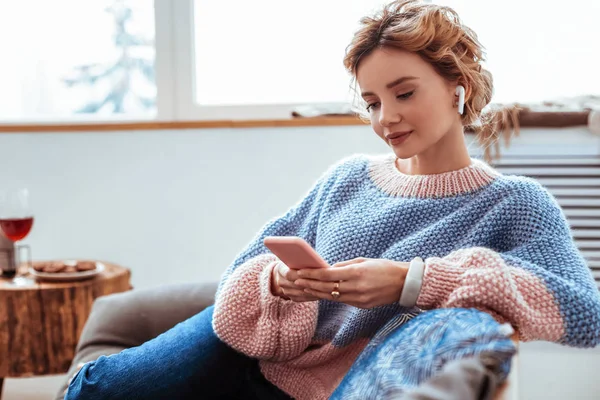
(497, 243)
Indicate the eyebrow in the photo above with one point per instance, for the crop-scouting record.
(392, 84)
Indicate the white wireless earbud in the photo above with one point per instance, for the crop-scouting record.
(460, 92)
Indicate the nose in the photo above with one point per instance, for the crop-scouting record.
(389, 115)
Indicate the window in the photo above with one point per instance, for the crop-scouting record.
(72, 59)
(222, 60)
(537, 49)
(264, 58)
(267, 56)
(274, 52)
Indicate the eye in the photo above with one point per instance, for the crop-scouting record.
(405, 95)
(372, 106)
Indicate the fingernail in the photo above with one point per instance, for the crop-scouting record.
(300, 273)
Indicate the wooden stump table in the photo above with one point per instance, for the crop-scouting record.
(40, 324)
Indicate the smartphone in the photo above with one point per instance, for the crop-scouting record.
(295, 252)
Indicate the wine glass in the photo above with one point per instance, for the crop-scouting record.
(16, 220)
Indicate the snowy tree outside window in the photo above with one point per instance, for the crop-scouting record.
(71, 59)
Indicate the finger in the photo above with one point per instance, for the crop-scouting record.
(290, 291)
(282, 295)
(326, 287)
(350, 299)
(319, 295)
(287, 285)
(347, 273)
(286, 272)
(357, 260)
(300, 296)
(295, 293)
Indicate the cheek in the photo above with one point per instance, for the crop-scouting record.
(376, 126)
(420, 116)
(430, 115)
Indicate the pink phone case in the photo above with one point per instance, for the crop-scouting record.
(294, 252)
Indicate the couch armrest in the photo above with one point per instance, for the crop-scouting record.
(128, 319)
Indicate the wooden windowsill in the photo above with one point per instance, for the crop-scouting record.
(158, 125)
(538, 119)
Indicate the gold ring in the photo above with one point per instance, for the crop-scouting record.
(335, 293)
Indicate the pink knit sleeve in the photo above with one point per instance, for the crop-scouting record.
(249, 318)
(480, 278)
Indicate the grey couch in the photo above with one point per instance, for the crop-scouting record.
(128, 319)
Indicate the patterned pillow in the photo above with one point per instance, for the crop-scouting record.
(401, 356)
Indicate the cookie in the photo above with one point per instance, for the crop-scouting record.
(40, 267)
(56, 266)
(86, 266)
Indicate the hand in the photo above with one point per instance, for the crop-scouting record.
(282, 284)
(363, 282)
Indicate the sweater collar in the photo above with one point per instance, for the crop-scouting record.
(385, 175)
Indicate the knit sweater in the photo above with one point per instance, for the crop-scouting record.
(494, 242)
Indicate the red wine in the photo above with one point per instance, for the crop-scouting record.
(9, 273)
(16, 228)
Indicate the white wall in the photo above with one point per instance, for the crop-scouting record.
(173, 206)
(177, 206)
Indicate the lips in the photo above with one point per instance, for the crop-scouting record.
(396, 135)
(396, 138)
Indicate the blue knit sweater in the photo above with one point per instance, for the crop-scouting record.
(497, 243)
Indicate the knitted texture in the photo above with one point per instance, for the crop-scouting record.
(497, 243)
(427, 342)
(249, 306)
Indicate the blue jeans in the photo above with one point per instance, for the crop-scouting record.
(186, 362)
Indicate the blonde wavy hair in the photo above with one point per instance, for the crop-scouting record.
(437, 34)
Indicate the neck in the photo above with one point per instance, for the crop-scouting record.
(384, 173)
(450, 153)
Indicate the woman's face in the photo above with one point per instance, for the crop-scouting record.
(411, 106)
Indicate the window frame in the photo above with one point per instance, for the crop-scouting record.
(175, 89)
(175, 63)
